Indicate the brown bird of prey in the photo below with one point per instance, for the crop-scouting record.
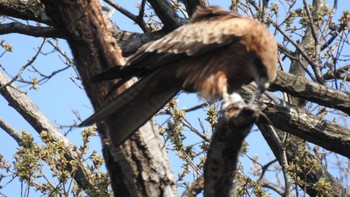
(214, 54)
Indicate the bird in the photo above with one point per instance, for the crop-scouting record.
(215, 54)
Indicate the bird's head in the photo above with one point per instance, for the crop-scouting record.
(265, 60)
(266, 72)
(264, 56)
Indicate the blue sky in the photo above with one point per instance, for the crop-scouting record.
(59, 96)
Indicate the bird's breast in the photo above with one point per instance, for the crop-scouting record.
(212, 78)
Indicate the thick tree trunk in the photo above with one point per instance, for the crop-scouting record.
(140, 166)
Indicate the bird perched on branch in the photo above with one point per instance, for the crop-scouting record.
(214, 54)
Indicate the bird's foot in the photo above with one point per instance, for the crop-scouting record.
(233, 103)
(232, 99)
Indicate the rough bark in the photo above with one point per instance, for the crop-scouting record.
(26, 10)
(220, 169)
(195, 188)
(299, 122)
(302, 88)
(16, 27)
(294, 120)
(129, 42)
(294, 155)
(305, 125)
(166, 14)
(140, 166)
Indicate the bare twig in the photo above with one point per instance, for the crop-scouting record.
(192, 4)
(335, 34)
(340, 73)
(328, 25)
(138, 19)
(283, 159)
(47, 77)
(278, 190)
(167, 14)
(21, 103)
(194, 108)
(314, 33)
(30, 62)
(312, 25)
(265, 167)
(122, 10)
(305, 56)
(194, 130)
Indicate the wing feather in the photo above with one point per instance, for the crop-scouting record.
(211, 28)
(197, 38)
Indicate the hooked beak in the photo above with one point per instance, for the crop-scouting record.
(263, 83)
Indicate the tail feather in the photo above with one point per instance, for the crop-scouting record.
(135, 114)
(113, 73)
(134, 107)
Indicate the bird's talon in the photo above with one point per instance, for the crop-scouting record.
(233, 100)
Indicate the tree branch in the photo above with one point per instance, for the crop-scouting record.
(16, 135)
(303, 53)
(302, 88)
(16, 27)
(294, 154)
(129, 42)
(24, 10)
(136, 18)
(342, 73)
(195, 188)
(191, 5)
(220, 169)
(167, 14)
(281, 149)
(285, 118)
(24, 106)
(305, 125)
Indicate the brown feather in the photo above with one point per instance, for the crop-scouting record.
(217, 51)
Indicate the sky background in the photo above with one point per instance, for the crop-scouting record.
(58, 97)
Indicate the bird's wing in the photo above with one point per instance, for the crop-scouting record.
(213, 29)
(206, 34)
(210, 29)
